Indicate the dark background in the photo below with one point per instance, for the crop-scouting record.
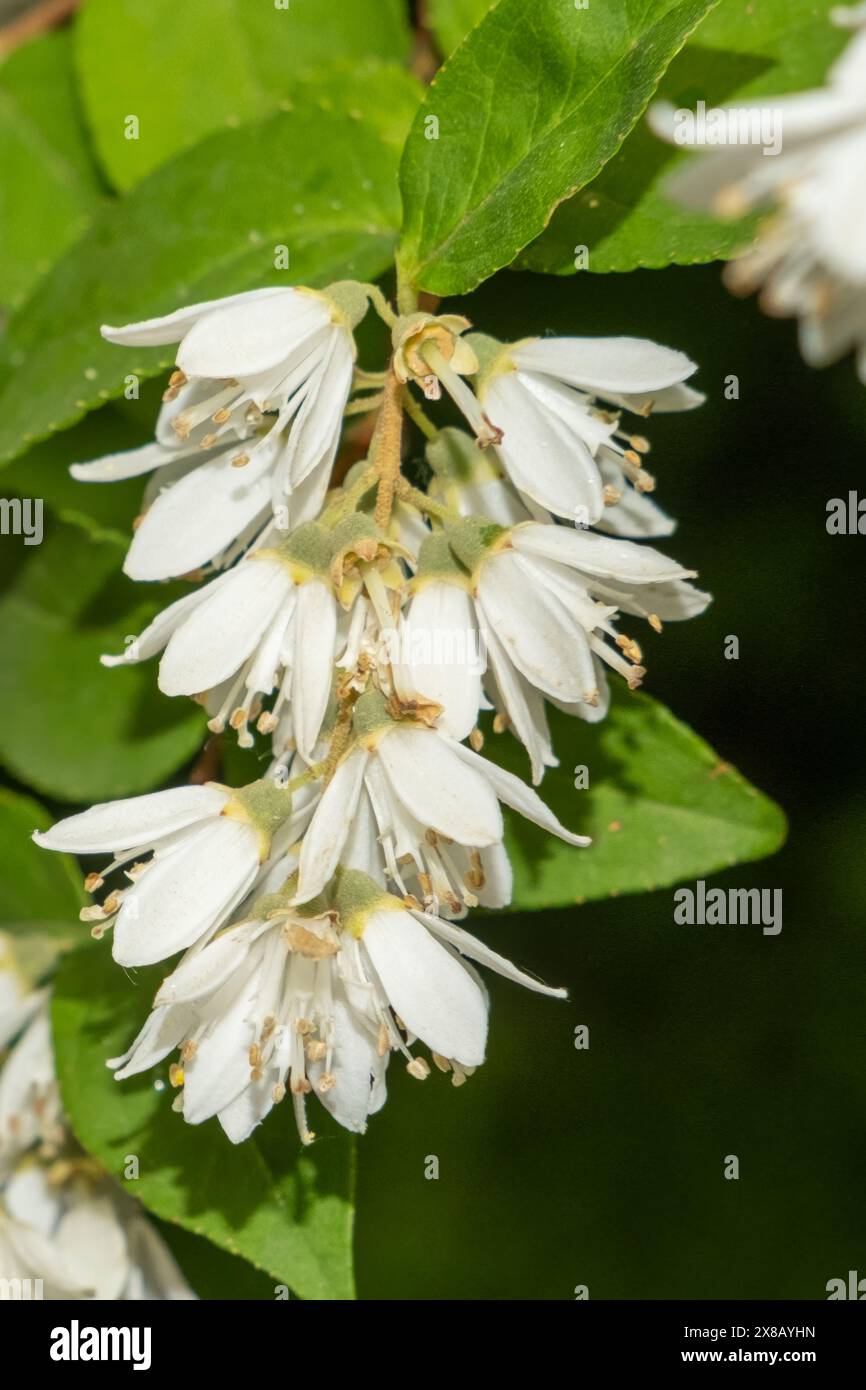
(605, 1167)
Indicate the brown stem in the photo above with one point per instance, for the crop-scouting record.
(386, 446)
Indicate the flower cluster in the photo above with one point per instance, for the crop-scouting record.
(65, 1226)
(359, 626)
(809, 260)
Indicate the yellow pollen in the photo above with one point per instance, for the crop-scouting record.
(629, 648)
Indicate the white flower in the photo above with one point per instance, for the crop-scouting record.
(439, 654)
(62, 1221)
(208, 846)
(268, 625)
(251, 422)
(536, 603)
(561, 450)
(811, 257)
(547, 598)
(30, 1111)
(83, 1238)
(411, 805)
(313, 1000)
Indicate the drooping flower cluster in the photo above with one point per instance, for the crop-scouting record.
(809, 260)
(67, 1231)
(363, 626)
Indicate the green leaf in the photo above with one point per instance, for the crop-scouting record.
(50, 186)
(742, 52)
(205, 225)
(38, 889)
(238, 61)
(661, 807)
(451, 20)
(529, 109)
(286, 1210)
(72, 729)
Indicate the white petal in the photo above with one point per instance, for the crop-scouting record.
(138, 820)
(162, 1276)
(202, 972)
(91, 1241)
(478, 951)
(544, 458)
(356, 1063)
(245, 1113)
(320, 851)
(224, 630)
(362, 849)
(429, 780)
(598, 555)
(164, 1030)
(602, 365)
(129, 464)
(170, 328)
(635, 514)
(313, 667)
(220, 1070)
(315, 434)
(671, 400)
(31, 1198)
(192, 521)
(518, 796)
(252, 336)
(524, 707)
(498, 878)
(440, 656)
(549, 646)
(156, 635)
(185, 893)
(671, 602)
(428, 988)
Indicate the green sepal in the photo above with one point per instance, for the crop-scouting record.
(473, 538)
